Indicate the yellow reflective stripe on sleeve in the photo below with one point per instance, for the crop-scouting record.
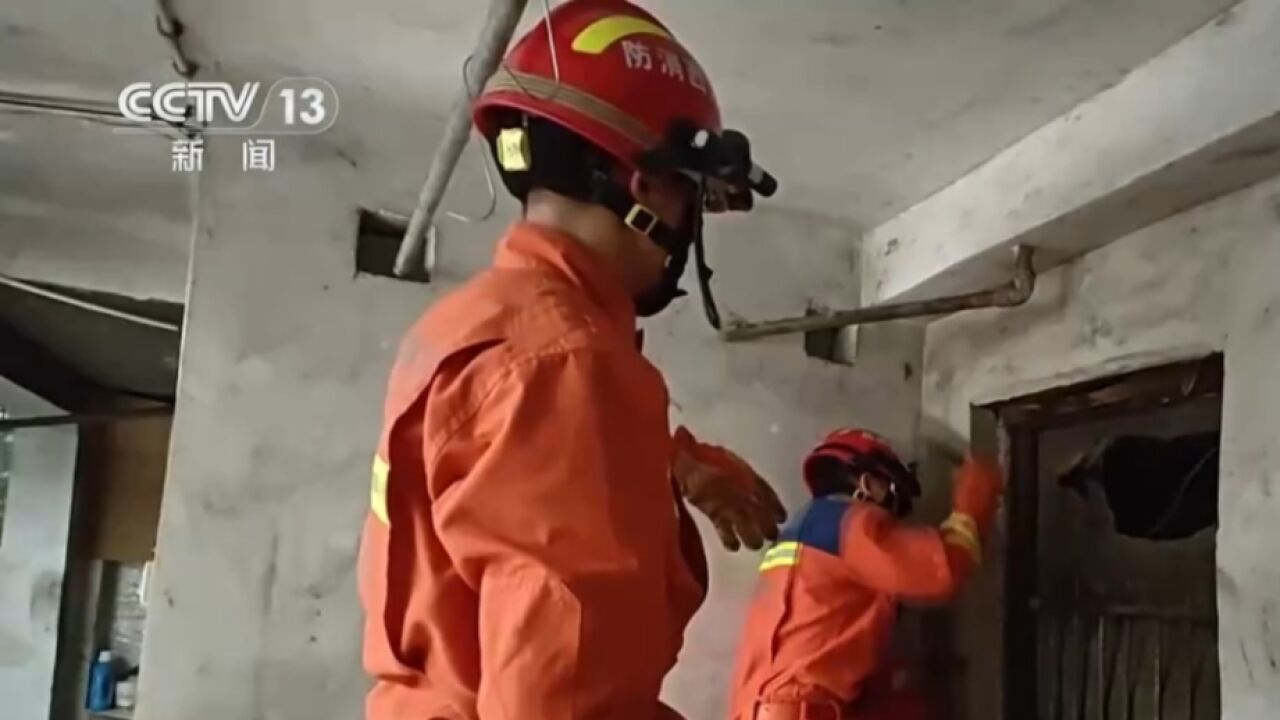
(782, 548)
(961, 530)
(780, 562)
(378, 490)
(599, 35)
(962, 521)
(953, 537)
(781, 555)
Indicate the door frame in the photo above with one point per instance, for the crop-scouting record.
(1010, 429)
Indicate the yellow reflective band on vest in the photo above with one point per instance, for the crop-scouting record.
(599, 35)
(783, 554)
(378, 490)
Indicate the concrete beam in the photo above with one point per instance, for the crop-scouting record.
(1200, 120)
(32, 367)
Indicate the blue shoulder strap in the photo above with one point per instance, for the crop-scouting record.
(818, 525)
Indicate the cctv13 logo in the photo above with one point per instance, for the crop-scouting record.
(292, 106)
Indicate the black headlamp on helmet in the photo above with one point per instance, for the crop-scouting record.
(723, 178)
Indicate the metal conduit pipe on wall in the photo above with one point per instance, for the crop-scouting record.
(1016, 292)
(499, 26)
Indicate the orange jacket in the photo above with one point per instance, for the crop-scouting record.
(525, 555)
(820, 623)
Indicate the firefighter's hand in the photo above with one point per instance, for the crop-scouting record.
(978, 486)
(722, 486)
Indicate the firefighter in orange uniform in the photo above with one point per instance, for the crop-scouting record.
(815, 640)
(528, 553)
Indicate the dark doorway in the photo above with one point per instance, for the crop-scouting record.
(1110, 584)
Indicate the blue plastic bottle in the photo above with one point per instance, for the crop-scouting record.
(102, 684)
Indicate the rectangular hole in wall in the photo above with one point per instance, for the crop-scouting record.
(1110, 584)
(378, 238)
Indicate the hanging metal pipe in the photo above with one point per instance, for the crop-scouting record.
(1016, 292)
(499, 26)
(89, 418)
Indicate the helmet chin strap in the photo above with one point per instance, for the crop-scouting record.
(700, 258)
(668, 288)
(676, 241)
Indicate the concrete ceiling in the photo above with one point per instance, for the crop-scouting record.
(861, 108)
(83, 206)
(80, 203)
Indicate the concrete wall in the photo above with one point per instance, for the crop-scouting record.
(253, 610)
(1198, 282)
(33, 551)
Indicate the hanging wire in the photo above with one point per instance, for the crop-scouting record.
(555, 58)
(1172, 511)
(484, 163)
(551, 42)
(473, 94)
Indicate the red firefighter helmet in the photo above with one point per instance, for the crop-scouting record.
(609, 75)
(623, 79)
(846, 453)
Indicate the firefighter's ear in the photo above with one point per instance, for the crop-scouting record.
(665, 196)
(871, 488)
(639, 186)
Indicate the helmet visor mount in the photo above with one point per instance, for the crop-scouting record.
(723, 178)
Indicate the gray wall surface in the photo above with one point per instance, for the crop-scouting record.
(33, 551)
(1199, 282)
(253, 610)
